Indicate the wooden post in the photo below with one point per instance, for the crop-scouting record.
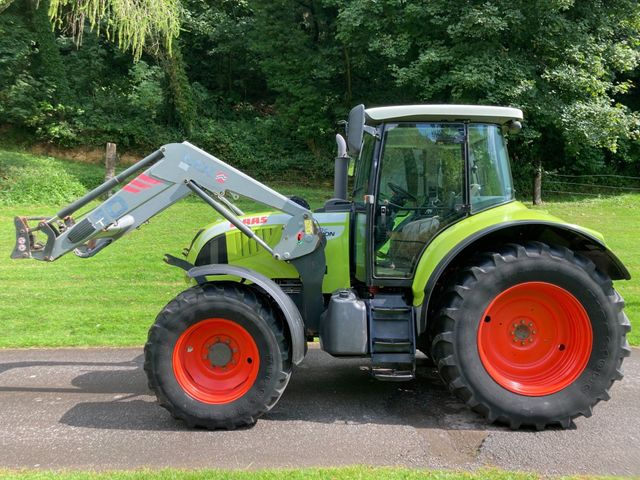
(110, 160)
(537, 186)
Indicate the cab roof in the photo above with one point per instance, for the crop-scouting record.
(445, 113)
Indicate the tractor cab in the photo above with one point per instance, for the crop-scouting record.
(420, 169)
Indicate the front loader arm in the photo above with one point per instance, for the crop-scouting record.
(170, 174)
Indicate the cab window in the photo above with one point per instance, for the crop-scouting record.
(363, 169)
(489, 173)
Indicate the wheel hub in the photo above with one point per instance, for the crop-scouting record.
(216, 361)
(523, 332)
(220, 354)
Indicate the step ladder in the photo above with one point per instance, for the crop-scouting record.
(392, 338)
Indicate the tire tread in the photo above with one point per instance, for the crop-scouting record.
(245, 295)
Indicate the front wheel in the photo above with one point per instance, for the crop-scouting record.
(531, 335)
(217, 356)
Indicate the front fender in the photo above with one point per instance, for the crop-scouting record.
(288, 308)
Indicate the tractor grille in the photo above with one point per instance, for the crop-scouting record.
(246, 247)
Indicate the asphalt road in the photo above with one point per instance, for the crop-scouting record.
(90, 409)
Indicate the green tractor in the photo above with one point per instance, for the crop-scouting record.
(429, 252)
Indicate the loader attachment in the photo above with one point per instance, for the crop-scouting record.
(47, 238)
(163, 178)
(37, 242)
(26, 244)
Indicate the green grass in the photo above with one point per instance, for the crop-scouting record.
(112, 299)
(618, 219)
(344, 473)
(28, 179)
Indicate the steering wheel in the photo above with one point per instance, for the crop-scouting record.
(398, 190)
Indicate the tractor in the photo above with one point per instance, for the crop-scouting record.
(429, 251)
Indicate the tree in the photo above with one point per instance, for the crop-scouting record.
(132, 25)
(559, 60)
(302, 63)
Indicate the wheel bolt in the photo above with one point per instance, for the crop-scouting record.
(531, 324)
(522, 322)
(533, 331)
(523, 343)
(189, 349)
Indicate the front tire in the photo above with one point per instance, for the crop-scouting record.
(531, 335)
(217, 356)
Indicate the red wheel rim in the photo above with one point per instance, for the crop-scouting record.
(216, 361)
(535, 339)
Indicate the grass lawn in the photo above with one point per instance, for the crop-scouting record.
(112, 299)
(344, 473)
(618, 219)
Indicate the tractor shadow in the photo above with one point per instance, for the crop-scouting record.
(329, 390)
(322, 389)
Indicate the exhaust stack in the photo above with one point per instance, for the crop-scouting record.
(341, 172)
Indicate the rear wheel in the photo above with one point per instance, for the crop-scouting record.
(217, 356)
(531, 335)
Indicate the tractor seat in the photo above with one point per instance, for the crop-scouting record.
(408, 241)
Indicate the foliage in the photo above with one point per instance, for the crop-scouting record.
(179, 97)
(250, 72)
(146, 89)
(302, 63)
(133, 25)
(32, 77)
(560, 61)
(218, 56)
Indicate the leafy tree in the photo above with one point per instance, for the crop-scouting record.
(559, 60)
(264, 81)
(218, 56)
(302, 64)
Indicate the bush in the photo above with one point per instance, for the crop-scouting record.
(262, 147)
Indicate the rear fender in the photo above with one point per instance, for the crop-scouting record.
(515, 223)
(289, 310)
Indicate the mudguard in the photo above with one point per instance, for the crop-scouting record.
(510, 222)
(288, 308)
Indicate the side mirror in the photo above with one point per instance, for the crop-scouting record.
(513, 127)
(355, 130)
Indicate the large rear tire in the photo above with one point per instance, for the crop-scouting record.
(217, 356)
(531, 335)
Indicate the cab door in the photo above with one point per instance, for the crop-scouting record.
(419, 191)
